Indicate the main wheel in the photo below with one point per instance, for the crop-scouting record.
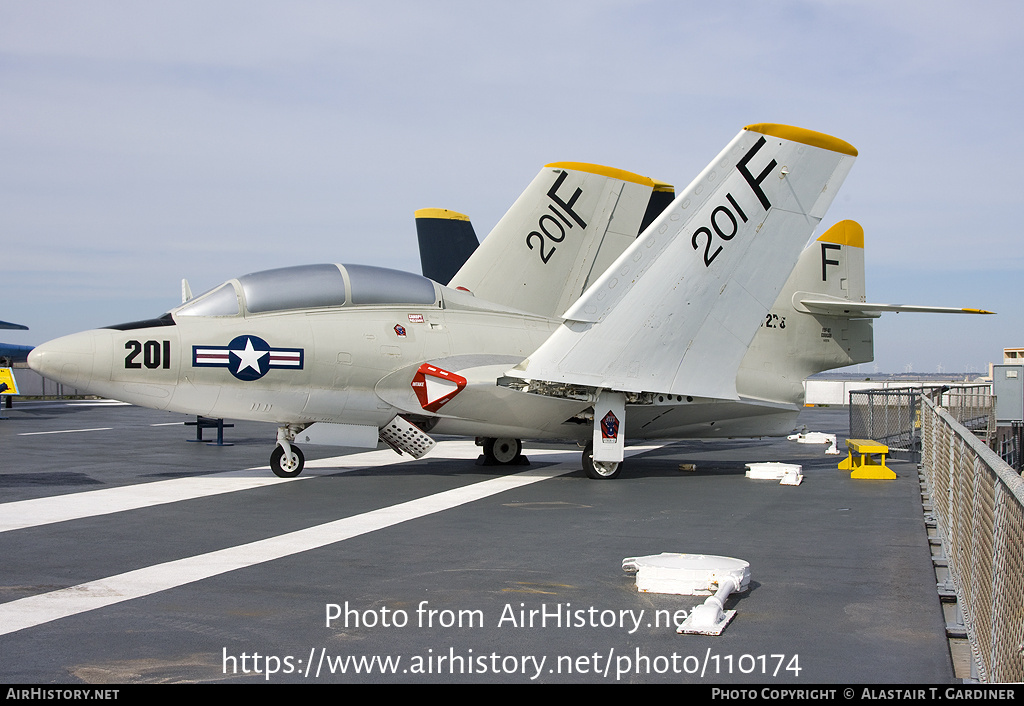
(502, 451)
(287, 468)
(599, 470)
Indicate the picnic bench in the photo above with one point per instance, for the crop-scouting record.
(866, 460)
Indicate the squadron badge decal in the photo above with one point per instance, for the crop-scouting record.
(247, 357)
(609, 428)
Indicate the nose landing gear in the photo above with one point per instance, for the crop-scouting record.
(287, 465)
(286, 461)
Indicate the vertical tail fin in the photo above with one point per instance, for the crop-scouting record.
(661, 198)
(678, 309)
(820, 321)
(792, 343)
(446, 241)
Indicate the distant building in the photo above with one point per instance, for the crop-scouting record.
(1008, 388)
(1013, 355)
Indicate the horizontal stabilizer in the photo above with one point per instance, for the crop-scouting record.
(842, 307)
(676, 312)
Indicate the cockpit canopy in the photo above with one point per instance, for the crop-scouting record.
(312, 287)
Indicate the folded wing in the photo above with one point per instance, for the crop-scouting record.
(676, 312)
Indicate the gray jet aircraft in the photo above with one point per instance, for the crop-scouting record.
(562, 324)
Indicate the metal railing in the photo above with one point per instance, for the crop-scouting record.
(1011, 445)
(978, 506)
(974, 406)
(892, 416)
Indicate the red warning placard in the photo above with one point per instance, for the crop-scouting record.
(435, 387)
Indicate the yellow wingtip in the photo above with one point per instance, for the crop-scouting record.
(806, 137)
(620, 174)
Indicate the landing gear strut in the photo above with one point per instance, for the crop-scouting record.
(599, 470)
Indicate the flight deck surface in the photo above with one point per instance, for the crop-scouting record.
(132, 556)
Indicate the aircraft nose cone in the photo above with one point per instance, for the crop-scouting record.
(67, 360)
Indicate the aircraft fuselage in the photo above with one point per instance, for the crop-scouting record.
(355, 365)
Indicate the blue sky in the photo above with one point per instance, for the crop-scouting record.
(141, 143)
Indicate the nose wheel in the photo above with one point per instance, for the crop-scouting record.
(287, 464)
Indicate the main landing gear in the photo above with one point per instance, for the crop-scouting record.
(599, 470)
(502, 452)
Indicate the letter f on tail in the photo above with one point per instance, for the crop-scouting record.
(678, 309)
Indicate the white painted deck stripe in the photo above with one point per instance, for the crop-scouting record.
(63, 431)
(60, 508)
(46, 607)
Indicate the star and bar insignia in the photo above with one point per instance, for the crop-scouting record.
(247, 357)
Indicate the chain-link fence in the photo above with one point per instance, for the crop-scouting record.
(978, 506)
(892, 416)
